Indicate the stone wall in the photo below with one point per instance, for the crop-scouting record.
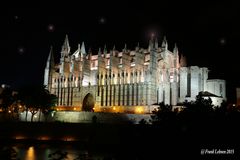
(87, 117)
(217, 87)
(238, 96)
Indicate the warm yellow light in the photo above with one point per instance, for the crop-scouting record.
(35, 116)
(74, 108)
(19, 137)
(57, 109)
(20, 106)
(44, 138)
(114, 108)
(68, 139)
(30, 153)
(234, 105)
(139, 110)
(9, 111)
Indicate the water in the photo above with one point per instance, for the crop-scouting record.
(48, 152)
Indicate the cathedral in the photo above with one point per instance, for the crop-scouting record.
(128, 80)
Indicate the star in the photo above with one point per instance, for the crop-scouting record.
(222, 41)
(102, 20)
(50, 27)
(21, 50)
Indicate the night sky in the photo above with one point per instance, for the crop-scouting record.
(207, 33)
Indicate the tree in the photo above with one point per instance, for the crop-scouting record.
(200, 106)
(48, 104)
(36, 98)
(6, 98)
(162, 114)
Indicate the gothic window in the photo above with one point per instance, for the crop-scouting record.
(98, 91)
(189, 85)
(132, 60)
(221, 89)
(120, 60)
(102, 96)
(171, 77)
(199, 83)
(106, 102)
(147, 57)
(137, 94)
(179, 87)
(163, 95)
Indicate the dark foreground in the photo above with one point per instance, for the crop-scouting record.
(127, 141)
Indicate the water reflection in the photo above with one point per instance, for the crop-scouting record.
(46, 152)
(30, 154)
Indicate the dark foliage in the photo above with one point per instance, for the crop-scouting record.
(37, 98)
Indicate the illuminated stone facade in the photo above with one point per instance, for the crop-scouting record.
(127, 78)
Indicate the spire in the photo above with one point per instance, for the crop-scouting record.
(125, 48)
(76, 54)
(99, 52)
(137, 47)
(65, 47)
(48, 68)
(83, 51)
(175, 49)
(114, 50)
(156, 43)
(164, 43)
(183, 61)
(105, 51)
(150, 44)
(50, 60)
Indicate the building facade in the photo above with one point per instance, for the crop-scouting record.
(126, 80)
